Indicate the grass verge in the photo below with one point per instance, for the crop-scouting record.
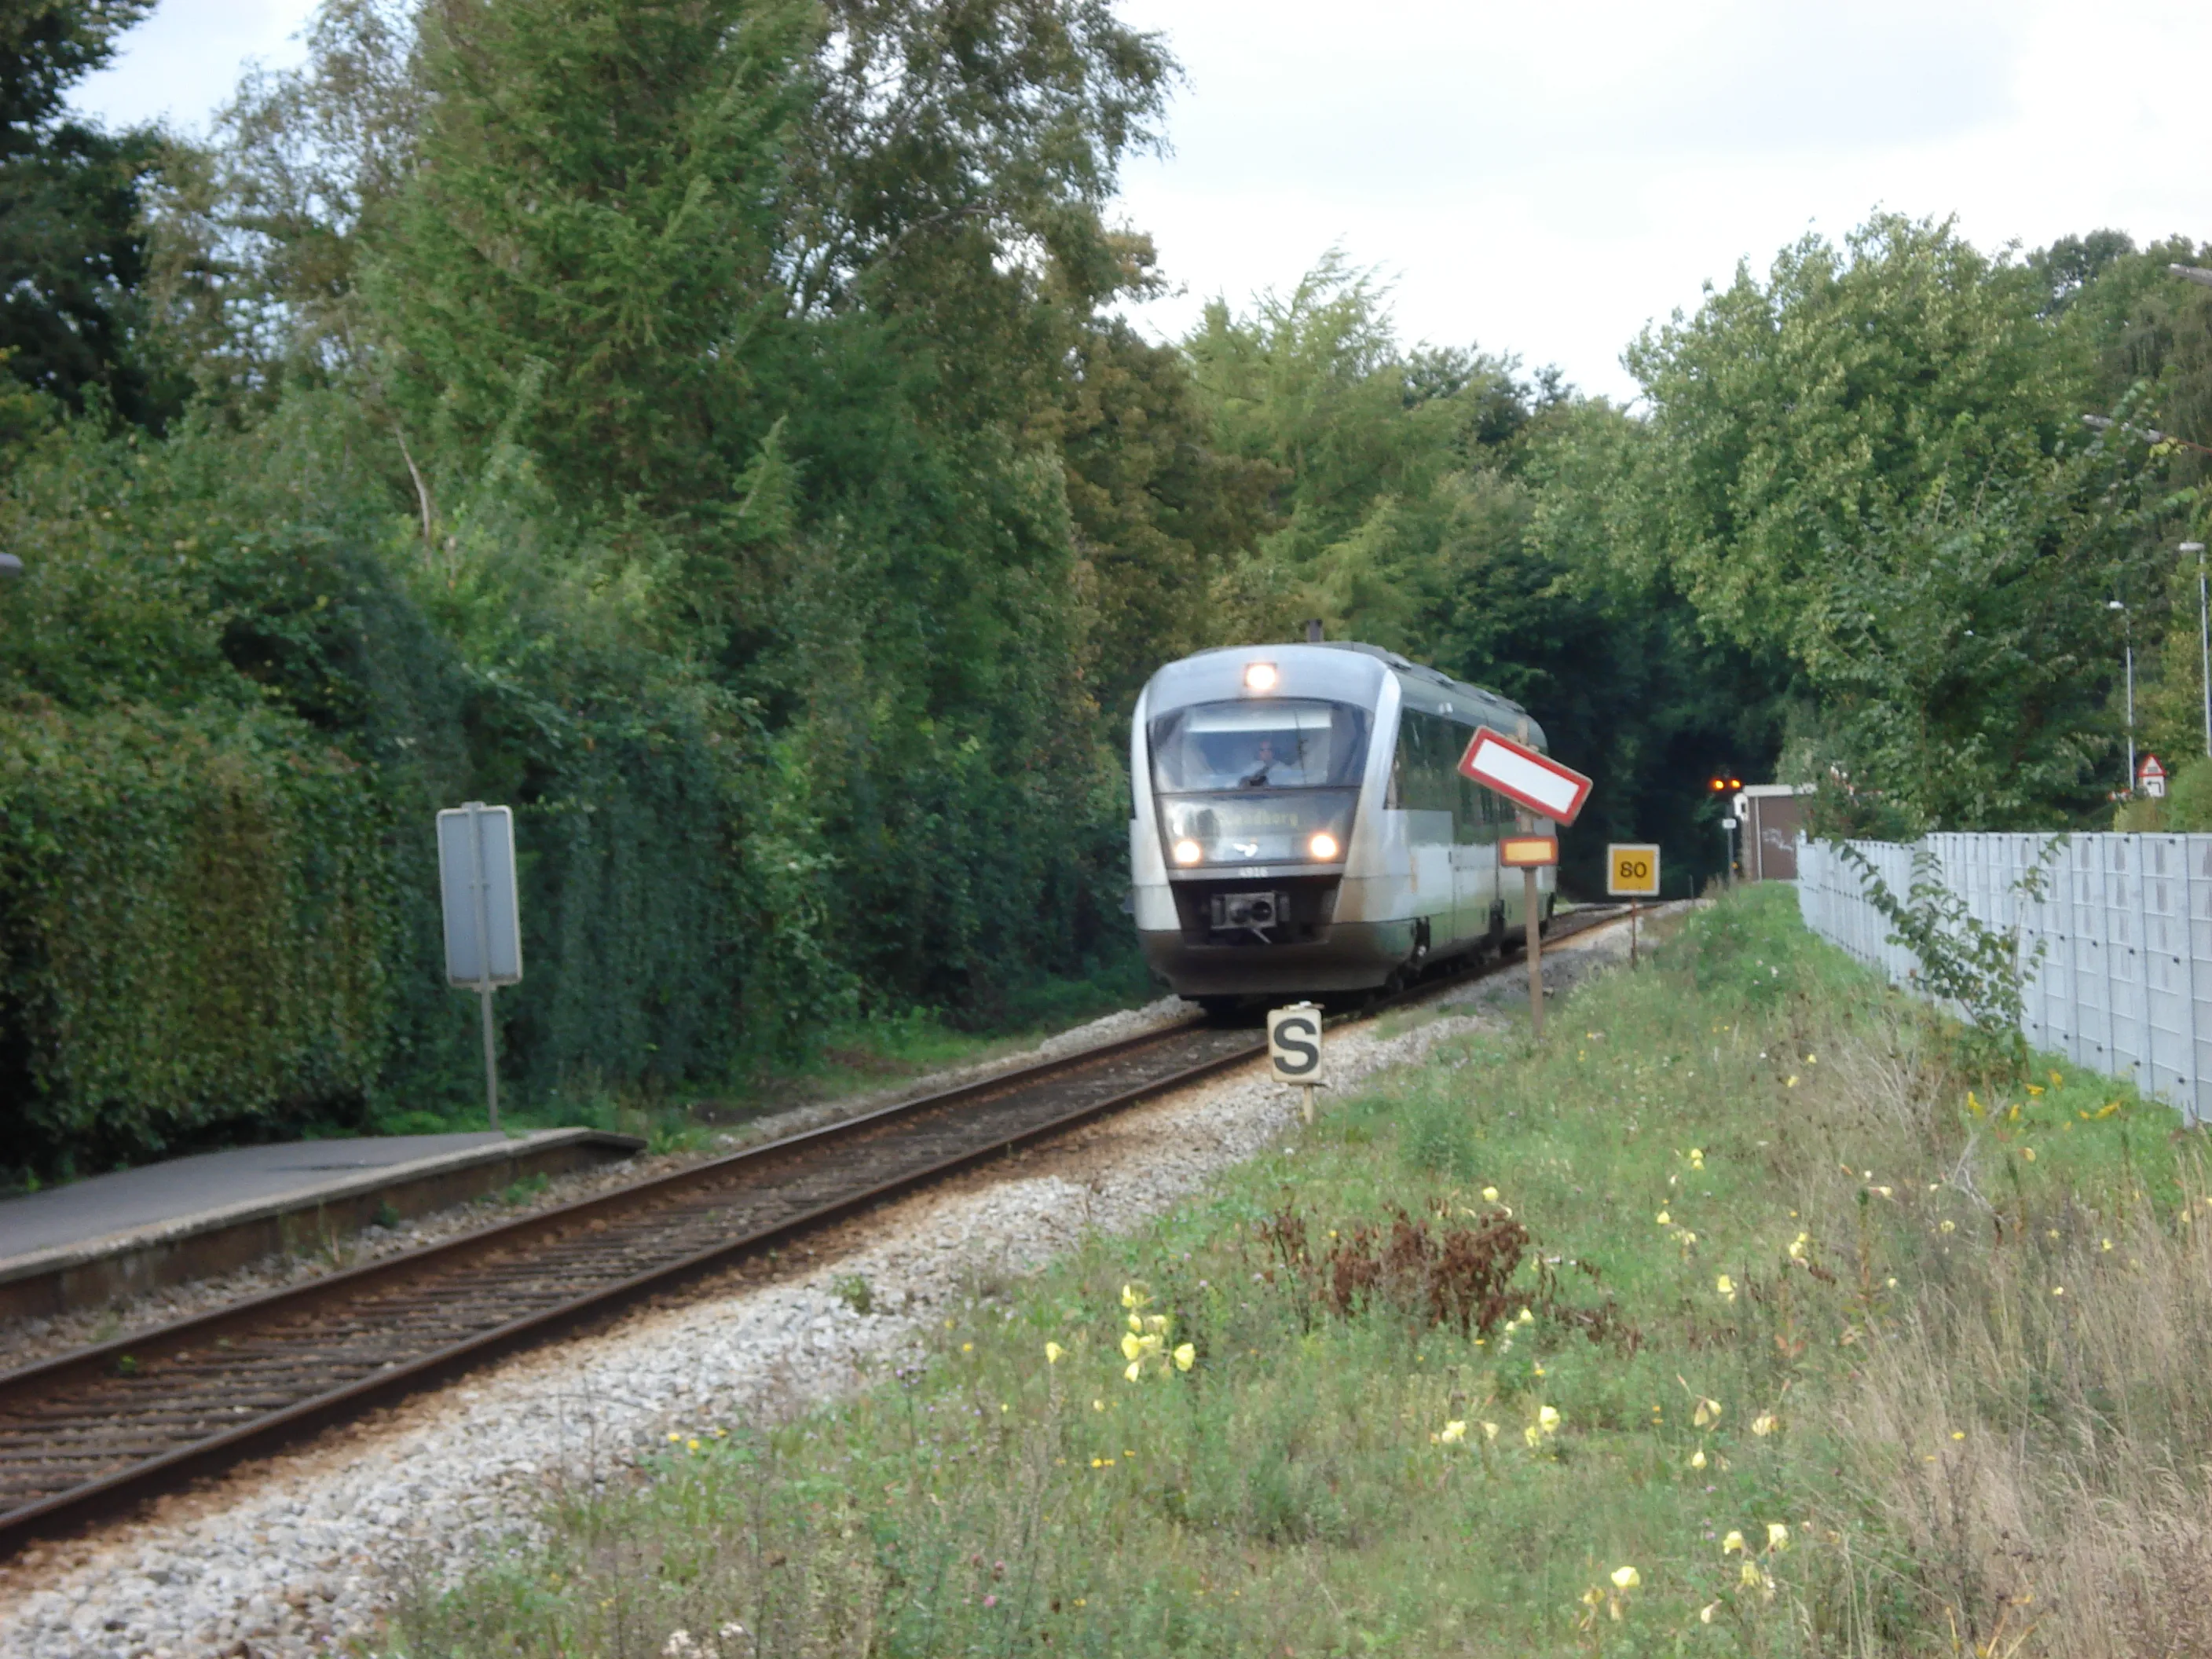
(1734, 1320)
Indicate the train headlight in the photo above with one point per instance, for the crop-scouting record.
(1188, 851)
(1260, 677)
(1322, 847)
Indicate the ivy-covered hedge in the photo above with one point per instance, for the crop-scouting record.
(195, 925)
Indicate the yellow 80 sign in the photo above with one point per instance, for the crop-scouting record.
(1631, 870)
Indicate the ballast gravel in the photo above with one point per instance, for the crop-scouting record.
(300, 1553)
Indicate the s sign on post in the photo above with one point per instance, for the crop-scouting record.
(484, 922)
(1294, 1049)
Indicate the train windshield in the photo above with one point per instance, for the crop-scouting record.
(1275, 744)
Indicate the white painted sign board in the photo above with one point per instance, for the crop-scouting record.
(1294, 1044)
(1521, 774)
(475, 875)
(484, 922)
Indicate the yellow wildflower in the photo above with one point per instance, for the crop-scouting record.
(1973, 1105)
(1797, 1246)
(691, 1445)
(1697, 1458)
(1697, 1157)
(1777, 1535)
(1532, 1436)
(1946, 1227)
(673, 1437)
(1135, 1371)
(1705, 1614)
(1664, 1219)
(1052, 1353)
(1733, 1544)
(1763, 1424)
(2035, 1088)
(1708, 1412)
(1626, 1578)
(1132, 1346)
(1455, 1432)
(2059, 1290)
(1751, 1574)
(2028, 1152)
(967, 1347)
(1792, 1084)
(1097, 1405)
(1726, 1286)
(1130, 1299)
(1490, 1431)
(1527, 1318)
(1186, 1356)
(1490, 1194)
(1547, 1419)
(1135, 1323)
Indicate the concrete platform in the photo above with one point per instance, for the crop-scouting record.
(138, 1229)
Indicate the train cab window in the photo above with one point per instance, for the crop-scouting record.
(1275, 744)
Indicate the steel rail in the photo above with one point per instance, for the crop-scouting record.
(98, 1429)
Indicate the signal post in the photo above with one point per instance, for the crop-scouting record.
(1632, 871)
(1535, 781)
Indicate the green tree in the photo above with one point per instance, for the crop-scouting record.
(72, 247)
(1871, 469)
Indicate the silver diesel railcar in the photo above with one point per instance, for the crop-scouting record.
(1301, 825)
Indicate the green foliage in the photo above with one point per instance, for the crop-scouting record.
(195, 931)
(706, 482)
(1871, 469)
(72, 240)
(1965, 963)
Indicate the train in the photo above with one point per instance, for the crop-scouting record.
(1300, 827)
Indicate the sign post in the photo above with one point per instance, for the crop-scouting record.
(1294, 1049)
(1528, 854)
(1535, 781)
(2150, 777)
(1632, 871)
(483, 931)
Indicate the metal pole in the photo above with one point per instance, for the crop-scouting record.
(2204, 641)
(482, 892)
(2131, 710)
(1632, 932)
(1535, 952)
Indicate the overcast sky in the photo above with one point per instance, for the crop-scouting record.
(1543, 179)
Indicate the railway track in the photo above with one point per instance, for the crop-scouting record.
(87, 1432)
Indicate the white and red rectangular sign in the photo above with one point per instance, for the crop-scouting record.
(1520, 774)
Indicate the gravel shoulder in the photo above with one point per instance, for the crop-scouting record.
(292, 1554)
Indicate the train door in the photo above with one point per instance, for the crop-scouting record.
(1425, 778)
(1476, 858)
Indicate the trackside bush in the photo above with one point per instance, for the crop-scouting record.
(195, 928)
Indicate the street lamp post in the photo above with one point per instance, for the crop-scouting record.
(2127, 622)
(2204, 641)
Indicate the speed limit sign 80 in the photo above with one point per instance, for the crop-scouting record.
(1631, 870)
